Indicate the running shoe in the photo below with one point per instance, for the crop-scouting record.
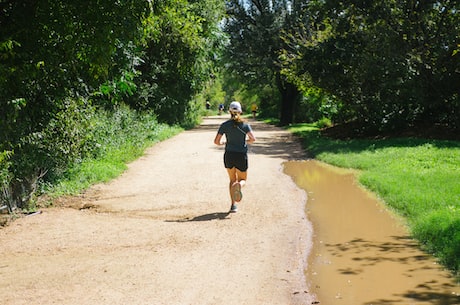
(233, 208)
(236, 192)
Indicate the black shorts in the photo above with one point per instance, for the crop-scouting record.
(236, 159)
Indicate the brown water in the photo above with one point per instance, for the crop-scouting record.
(362, 253)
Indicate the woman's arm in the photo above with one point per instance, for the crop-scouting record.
(251, 138)
(217, 139)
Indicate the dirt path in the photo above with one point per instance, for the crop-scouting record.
(161, 234)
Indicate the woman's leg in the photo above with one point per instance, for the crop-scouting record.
(233, 178)
(241, 177)
(236, 177)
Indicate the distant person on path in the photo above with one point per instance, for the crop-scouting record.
(208, 105)
(238, 134)
(221, 108)
(254, 109)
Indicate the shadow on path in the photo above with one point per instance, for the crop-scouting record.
(271, 141)
(205, 217)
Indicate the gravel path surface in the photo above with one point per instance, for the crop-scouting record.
(161, 233)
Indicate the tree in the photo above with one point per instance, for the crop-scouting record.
(181, 44)
(53, 56)
(254, 29)
(61, 61)
(390, 63)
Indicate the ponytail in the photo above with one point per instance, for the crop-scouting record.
(237, 117)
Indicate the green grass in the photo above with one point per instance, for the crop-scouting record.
(419, 179)
(121, 141)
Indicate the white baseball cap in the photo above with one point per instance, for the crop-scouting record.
(235, 107)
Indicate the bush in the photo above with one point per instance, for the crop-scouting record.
(5, 179)
(118, 136)
(49, 149)
(76, 134)
(323, 123)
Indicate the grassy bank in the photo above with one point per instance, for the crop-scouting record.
(121, 137)
(419, 179)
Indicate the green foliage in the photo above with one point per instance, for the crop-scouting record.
(49, 150)
(390, 64)
(182, 39)
(114, 91)
(418, 178)
(323, 123)
(63, 63)
(253, 30)
(315, 105)
(251, 57)
(69, 46)
(53, 56)
(5, 180)
(4, 166)
(213, 92)
(118, 137)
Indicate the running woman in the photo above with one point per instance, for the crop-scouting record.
(238, 135)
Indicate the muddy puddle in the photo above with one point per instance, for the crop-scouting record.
(362, 253)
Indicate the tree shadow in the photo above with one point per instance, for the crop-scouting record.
(205, 217)
(271, 141)
(279, 146)
(401, 250)
(317, 144)
(210, 123)
(430, 297)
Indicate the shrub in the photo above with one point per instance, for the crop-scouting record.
(50, 149)
(5, 179)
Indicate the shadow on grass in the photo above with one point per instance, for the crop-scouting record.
(316, 143)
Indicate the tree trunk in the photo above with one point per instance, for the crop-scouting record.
(289, 96)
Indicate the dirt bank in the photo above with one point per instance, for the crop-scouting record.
(161, 234)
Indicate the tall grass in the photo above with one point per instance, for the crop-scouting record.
(419, 179)
(118, 137)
